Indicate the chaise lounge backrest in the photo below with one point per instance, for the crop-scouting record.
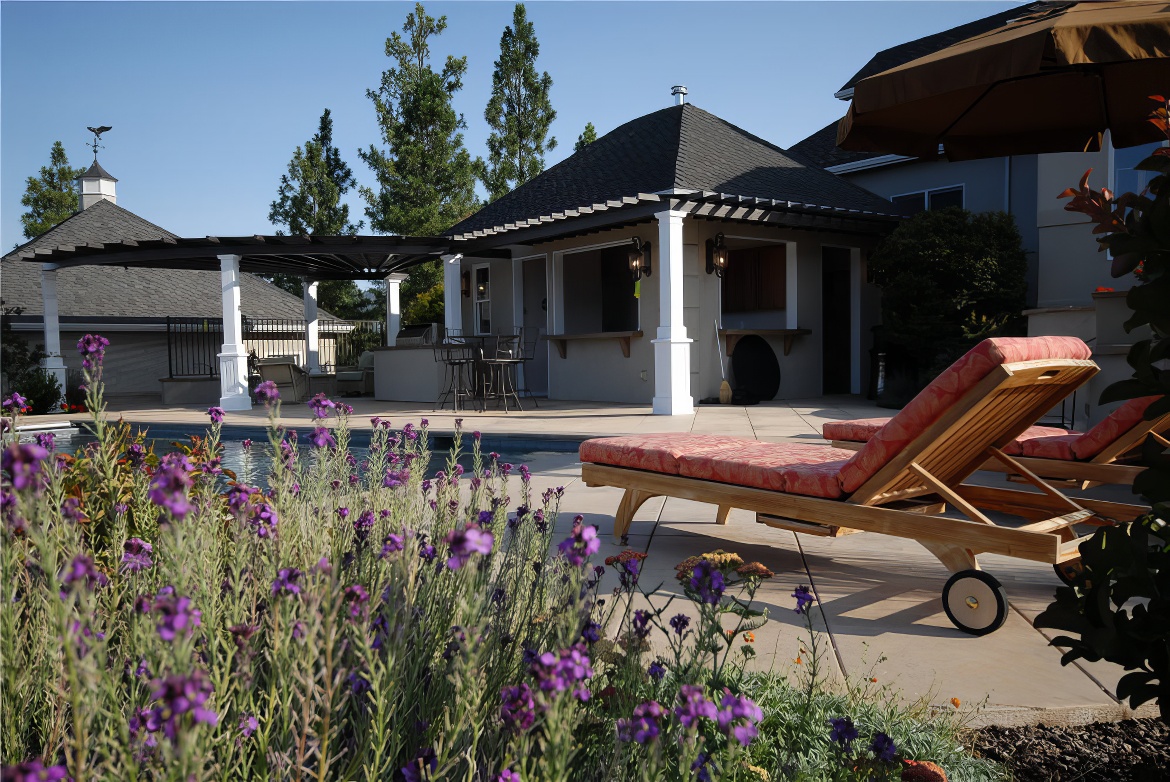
(986, 398)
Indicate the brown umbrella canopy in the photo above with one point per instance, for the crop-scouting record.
(1052, 80)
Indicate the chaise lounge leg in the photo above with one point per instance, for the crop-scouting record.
(953, 558)
(722, 516)
(631, 501)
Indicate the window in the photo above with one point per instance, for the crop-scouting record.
(483, 299)
(599, 291)
(756, 279)
(939, 198)
(1127, 179)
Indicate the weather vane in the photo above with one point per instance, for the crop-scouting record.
(97, 137)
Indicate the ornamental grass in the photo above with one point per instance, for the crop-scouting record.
(163, 619)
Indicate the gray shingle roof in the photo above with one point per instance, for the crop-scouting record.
(912, 50)
(676, 148)
(103, 291)
(96, 170)
(821, 150)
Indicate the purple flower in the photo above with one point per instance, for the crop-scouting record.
(804, 599)
(323, 566)
(707, 582)
(135, 454)
(693, 705)
(267, 392)
(298, 629)
(391, 544)
(262, 520)
(566, 669)
(465, 542)
(136, 556)
(238, 495)
(33, 771)
(700, 767)
(46, 440)
(408, 433)
(21, 462)
(175, 614)
(216, 414)
(395, 478)
(16, 402)
(507, 775)
(421, 768)
(656, 671)
(92, 348)
(643, 726)
(321, 405)
(246, 444)
(517, 709)
(581, 544)
(357, 598)
(591, 633)
(71, 510)
(287, 582)
(168, 488)
(80, 634)
(342, 513)
(738, 716)
(81, 570)
(176, 696)
(363, 524)
(843, 732)
(321, 438)
(883, 748)
(679, 623)
(640, 623)
(248, 725)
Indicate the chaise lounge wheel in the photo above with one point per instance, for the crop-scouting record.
(1069, 572)
(975, 602)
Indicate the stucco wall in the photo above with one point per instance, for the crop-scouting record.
(135, 360)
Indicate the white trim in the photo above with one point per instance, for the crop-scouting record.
(233, 361)
(855, 281)
(476, 300)
(791, 293)
(845, 93)
(452, 292)
(600, 246)
(869, 162)
(556, 298)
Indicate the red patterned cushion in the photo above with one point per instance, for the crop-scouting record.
(1054, 447)
(1113, 426)
(822, 479)
(655, 452)
(859, 430)
(763, 465)
(926, 408)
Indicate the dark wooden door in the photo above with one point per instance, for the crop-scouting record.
(836, 321)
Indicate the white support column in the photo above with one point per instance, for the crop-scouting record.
(52, 362)
(791, 289)
(452, 292)
(672, 348)
(855, 320)
(393, 308)
(233, 361)
(312, 337)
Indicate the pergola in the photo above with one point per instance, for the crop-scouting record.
(314, 258)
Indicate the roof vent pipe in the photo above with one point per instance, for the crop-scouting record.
(681, 92)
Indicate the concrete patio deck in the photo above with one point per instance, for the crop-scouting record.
(878, 597)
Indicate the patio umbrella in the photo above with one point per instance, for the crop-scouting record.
(1053, 80)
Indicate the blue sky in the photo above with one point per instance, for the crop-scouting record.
(208, 100)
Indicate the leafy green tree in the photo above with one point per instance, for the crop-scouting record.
(309, 202)
(51, 197)
(426, 177)
(586, 138)
(519, 111)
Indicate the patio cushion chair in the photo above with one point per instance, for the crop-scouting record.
(358, 379)
(901, 481)
(291, 380)
(1090, 458)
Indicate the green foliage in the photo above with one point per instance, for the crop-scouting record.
(426, 307)
(949, 278)
(23, 371)
(1119, 605)
(51, 197)
(587, 137)
(519, 112)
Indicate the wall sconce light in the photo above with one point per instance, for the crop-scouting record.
(465, 280)
(716, 256)
(639, 256)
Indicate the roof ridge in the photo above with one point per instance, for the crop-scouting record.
(83, 215)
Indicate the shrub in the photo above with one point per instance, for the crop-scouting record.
(24, 373)
(949, 278)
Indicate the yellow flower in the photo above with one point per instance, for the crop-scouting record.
(956, 702)
(760, 773)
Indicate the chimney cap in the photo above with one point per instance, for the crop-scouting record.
(681, 91)
(95, 171)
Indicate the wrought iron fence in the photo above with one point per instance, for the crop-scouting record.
(193, 344)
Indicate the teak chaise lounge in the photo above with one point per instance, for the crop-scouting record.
(900, 482)
(1093, 457)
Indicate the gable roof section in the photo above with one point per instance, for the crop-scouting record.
(821, 150)
(111, 291)
(912, 50)
(679, 148)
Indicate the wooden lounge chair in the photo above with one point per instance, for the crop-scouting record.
(900, 482)
(291, 381)
(1101, 455)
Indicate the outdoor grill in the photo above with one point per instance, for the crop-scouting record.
(417, 335)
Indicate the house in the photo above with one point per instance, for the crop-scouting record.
(628, 255)
(1065, 268)
(130, 306)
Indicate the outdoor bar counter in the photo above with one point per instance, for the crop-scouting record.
(407, 374)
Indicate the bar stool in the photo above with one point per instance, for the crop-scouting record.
(500, 382)
(458, 358)
(529, 353)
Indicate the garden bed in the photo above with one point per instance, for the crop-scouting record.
(1135, 750)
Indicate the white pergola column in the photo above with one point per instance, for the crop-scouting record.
(52, 362)
(452, 291)
(791, 288)
(312, 339)
(394, 307)
(672, 348)
(233, 361)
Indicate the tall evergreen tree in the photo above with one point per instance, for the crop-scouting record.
(586, 138)
(519, 112)
(52, 196)
(426, 177)
(309, 202)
